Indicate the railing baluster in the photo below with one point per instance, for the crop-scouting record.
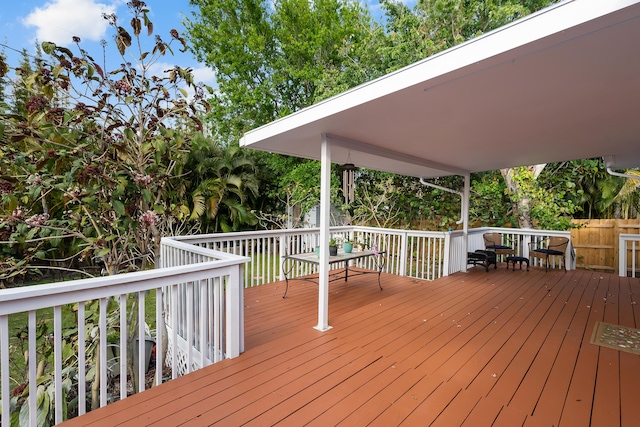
(202, 288)
(4, 369)
(142, 341)
(124, 328)
(103, 351)
(173, 308)
(57, 361)
(159, 335)
(33, 366)
(82, 360)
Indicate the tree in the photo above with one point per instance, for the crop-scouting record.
(549, 202)
(268, 57)
(221, 183)
(270, 60)
(19, 92)
(629, 195)
(488, 204)
(100, 171)
(521, 184)
(590, 188)
(3, 81)
(374, 204)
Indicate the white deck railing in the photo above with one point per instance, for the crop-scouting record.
(419, 254)
(629, 255)
(101, 306)
(197, 312)
(198, 290)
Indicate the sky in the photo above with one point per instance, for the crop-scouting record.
(24, 23)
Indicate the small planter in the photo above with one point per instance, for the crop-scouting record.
(113, 356)
(348, 247)
(333, 250)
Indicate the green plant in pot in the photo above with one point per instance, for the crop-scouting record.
(347, 246)
(333, 247)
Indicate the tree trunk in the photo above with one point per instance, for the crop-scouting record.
(519, 199)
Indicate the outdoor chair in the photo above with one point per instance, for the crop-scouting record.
(493, 242)
(551, 246)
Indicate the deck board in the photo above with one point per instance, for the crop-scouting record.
(479, 349)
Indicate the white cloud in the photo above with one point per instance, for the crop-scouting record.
(59, 20)
(204, 74)
(201, 73)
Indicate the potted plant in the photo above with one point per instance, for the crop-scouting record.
(333, 247)
(347, 246)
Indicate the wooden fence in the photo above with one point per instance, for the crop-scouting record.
(596, 242)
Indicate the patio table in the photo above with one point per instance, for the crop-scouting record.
(341, 258)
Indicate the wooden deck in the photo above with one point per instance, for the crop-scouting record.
(504, 348)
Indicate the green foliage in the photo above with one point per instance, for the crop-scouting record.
(628, 198)
(4, 69)
(98, 176)
(45, 381)
(451, 22)
(221, 186)
(489, 205)
(374, 203)
(550, 209)
(270, 60)
(599, 194)
(274, 58)
(268, 57)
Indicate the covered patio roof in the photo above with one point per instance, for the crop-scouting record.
(560, 84)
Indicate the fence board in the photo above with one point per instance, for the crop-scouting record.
(596, 242)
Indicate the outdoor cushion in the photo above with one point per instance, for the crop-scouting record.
(497, 247)
(549, 251)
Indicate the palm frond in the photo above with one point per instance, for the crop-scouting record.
(630, 186)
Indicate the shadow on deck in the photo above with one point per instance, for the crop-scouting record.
(480, 349)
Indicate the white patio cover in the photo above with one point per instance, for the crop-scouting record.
(560, 84)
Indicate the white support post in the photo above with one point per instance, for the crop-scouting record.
(325, 200)
(234, 315)
(465, 219)
(240, 296)
(622, 256)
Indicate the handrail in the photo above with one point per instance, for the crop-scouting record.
(17, 300)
